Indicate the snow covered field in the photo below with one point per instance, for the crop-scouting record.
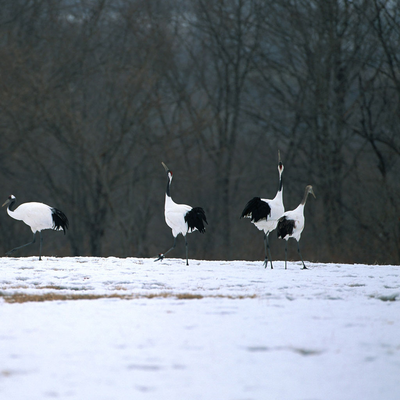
(135, 329)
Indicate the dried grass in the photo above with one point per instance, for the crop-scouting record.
(19, 297)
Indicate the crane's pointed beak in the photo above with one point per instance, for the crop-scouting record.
(6, 202)
(279, 156)
(165, 167)
(312, 192)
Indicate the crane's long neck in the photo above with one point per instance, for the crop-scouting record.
(306, 193)
(10, 210)
(11, 205)
(168, 200)
(168, 186)
(279, 193)
(280, 189)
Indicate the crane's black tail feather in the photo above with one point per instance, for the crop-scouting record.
(256, 209)
(285, 227)
(60, 221)
(195, 219)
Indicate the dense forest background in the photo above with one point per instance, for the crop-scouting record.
(94, 94)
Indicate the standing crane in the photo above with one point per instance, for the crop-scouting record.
(181, 218)
(264, 213)
(38, 216)
(291, 224)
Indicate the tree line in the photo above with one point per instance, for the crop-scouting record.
(95, 94)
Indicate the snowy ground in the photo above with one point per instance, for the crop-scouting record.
(134, 329)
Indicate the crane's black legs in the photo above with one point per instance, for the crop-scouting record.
(161, 256)
(267, 251)
(298, 249)
(186, 245)
(286, 254)
(40, 247)
(27, 244)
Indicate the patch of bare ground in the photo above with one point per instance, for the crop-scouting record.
(389, 297)
(301, 351)
(53, 296)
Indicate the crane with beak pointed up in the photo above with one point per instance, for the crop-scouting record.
(181, 218)
(264, 213)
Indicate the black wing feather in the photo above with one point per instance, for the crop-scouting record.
(60, 221)
(285, 227)
(195, 219)
(256, 209)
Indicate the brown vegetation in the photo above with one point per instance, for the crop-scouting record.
(20, 297)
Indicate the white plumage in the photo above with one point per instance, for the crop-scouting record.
(264, 213)
(181, 218)
(174, 216)
(291, 224)
(38, 216)
(277, 209)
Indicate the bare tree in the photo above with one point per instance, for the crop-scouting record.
(220, 41)
(94, 95)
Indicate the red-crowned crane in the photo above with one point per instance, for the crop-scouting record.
(291, 224)
(264, 213)
(182, 219)
(38, 216)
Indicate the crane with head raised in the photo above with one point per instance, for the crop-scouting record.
(181, 218)
(264, 213)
